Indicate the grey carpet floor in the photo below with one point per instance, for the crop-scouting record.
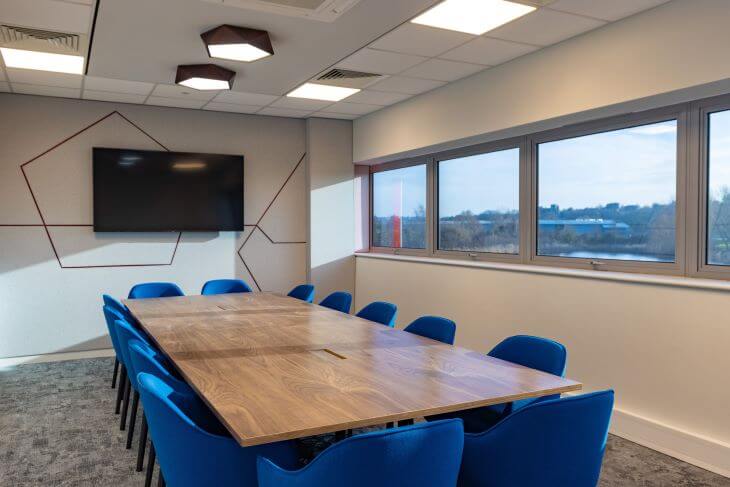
(57, 428)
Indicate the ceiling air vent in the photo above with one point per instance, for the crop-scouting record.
(347, 78)
(323, 10)
(10, 34)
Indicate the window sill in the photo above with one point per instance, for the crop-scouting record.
(649, 279)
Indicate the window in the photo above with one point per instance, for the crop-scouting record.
(609, 195)
(478, 203)
(718, 189)
(399, 208)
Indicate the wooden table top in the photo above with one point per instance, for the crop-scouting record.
(274, 368)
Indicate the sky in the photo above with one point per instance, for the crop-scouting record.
(632, 166)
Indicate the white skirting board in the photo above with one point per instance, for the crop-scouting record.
(707, 453)
(55, 357)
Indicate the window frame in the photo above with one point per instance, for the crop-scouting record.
(486, 148)
(608, 125)
(701, 111)
(692, 185)
(390, 166)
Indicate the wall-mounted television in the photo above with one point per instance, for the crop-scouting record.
(156, 191)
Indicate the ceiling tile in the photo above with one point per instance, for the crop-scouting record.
(352, 108)
(45, 78)
(377, 97)
(175, 102)
(48, 15)
(46, 90)
(177, 91)
(411, 86)
(117, 85)
(240, 98)
(284, 112)
(488, 51)
(380, 62)
(300, 103)
(544, 27)
(342, 116)
(230, 107)
(421, 40)
(602, 9)
(4, 86)
(442, 70)
(117, 97)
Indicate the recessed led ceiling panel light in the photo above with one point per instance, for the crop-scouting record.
(314, 91)
(237, 43)
(472, 16)
(42, 61)
(205, 77)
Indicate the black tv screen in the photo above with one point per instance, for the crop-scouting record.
(144, 191)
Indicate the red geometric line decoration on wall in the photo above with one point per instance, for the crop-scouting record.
(46, 226)
(257, 225)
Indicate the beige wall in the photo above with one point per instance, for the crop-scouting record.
(331, 201)
(53, 305)
(663, 349)
(679, 45)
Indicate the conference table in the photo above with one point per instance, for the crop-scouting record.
(273, 368)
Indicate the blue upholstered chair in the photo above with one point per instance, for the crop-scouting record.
(155, 290)
(146, 359)
(530, 351)
(338, 301)
(118, 306)
(379, 312)
(110, 316)
(423, 455)
(125, 334)
(550, 443)
(434, 327)
(191, 456)
(225, 286)
(305, 292)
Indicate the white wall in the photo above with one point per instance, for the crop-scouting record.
(332, 210)
(54, 305)
(680, 45)
(663, 349)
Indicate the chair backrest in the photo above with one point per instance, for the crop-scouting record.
(434, 327)
(147, 360)
(305, 292)
(338, 301)
(422, 455)
(379, 312)
(190, 456)
(225, 286)
(155, 290)
(551, 443)
(118, 306)
(534, 352)
(126, 333)
(110, 316)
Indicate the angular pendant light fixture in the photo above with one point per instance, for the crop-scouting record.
(237, 43)
(205, 77)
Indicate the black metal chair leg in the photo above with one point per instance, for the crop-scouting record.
(116, 370)
(160, 480)
(405, 422)
(120, 391)
(142, 443)
(150, 466)
(340, 435)
(388, 425)
(132, 419)
(125, 407)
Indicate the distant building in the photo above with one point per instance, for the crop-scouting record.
(585, 226)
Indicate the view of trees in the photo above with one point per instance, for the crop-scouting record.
(718, 228)
(486, 232)
(413, 230)
(648, 232)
